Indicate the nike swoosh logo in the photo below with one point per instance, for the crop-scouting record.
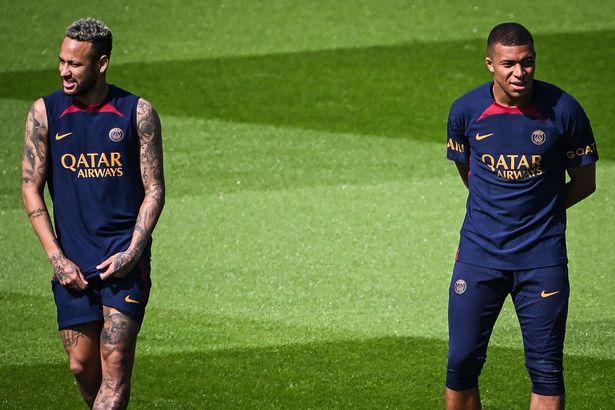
(544, 294)
(482, 137)
(59, 137)
(130, 300)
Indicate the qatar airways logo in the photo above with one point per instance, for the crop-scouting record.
(94, 164)
(513, 166)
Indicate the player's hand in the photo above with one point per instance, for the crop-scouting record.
(119, 265)
(67, 273)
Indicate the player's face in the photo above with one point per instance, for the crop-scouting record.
(79, 70)
(513, 73)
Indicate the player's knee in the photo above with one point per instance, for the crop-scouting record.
(78, 366)
(547, 377)
(116, 361)
(463, 370)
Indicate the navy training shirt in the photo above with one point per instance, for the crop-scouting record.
(94, 175)
(518, 156)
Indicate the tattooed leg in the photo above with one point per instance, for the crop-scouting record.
(117, 349)
(82, 343)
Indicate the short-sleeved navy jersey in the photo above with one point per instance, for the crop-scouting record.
(94, 175)
(515, 213)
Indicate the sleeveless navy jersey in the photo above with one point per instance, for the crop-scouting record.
(515, 212)
(94, 175)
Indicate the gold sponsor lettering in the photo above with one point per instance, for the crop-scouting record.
(455, 146)
(513, 166)
(103, 160)
(579, 152)
(501, 162)
(115, 159)
(94, 164)
(68, 161)
(82, 161)
(489, 161)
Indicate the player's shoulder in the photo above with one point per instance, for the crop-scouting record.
(119, 92)
(38, 111)
(122, 96)
(554, 96)
(473, 101)
(57, 97)
(38, 104)
(145, 108)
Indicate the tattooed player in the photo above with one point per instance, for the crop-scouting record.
(99, 149)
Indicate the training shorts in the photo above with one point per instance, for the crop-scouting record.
(128, 294)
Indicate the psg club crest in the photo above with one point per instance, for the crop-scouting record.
(460, 286)
(539, 137)
(116, 134)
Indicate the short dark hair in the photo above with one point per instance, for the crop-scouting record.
(509, 34)
(93, 31)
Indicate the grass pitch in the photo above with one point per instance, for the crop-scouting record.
(303, 257)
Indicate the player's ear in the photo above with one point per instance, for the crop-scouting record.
(489, 63)
(103, 63)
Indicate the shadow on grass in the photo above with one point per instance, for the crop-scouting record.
(372, 373)
(400, 90)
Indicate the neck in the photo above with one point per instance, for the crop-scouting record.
(506, 100)
(96, 95)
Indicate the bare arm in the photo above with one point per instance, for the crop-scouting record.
(152, 176)
(581, 185)
(34, 175)
(464, 171)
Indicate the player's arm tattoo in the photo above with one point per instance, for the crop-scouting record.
(34, 174)
(152, 173)
(36, 146)
(152, 176)
(36, 213)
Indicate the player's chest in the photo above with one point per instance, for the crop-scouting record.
(92, 133)
(515, 135)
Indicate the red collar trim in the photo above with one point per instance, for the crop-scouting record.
(76, 106)
(529, 110)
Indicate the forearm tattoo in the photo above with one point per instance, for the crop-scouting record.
(36, 213)
(125, 259)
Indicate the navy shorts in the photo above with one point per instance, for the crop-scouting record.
(540, 297)
(128, 294)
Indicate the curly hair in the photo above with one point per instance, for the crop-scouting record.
(93, 31)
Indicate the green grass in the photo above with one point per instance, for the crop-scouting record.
(304, 254)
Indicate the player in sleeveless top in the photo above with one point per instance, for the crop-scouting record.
(513, 141)
(99, 150)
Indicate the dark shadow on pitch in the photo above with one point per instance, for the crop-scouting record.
(371, 373)
(400, 90)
